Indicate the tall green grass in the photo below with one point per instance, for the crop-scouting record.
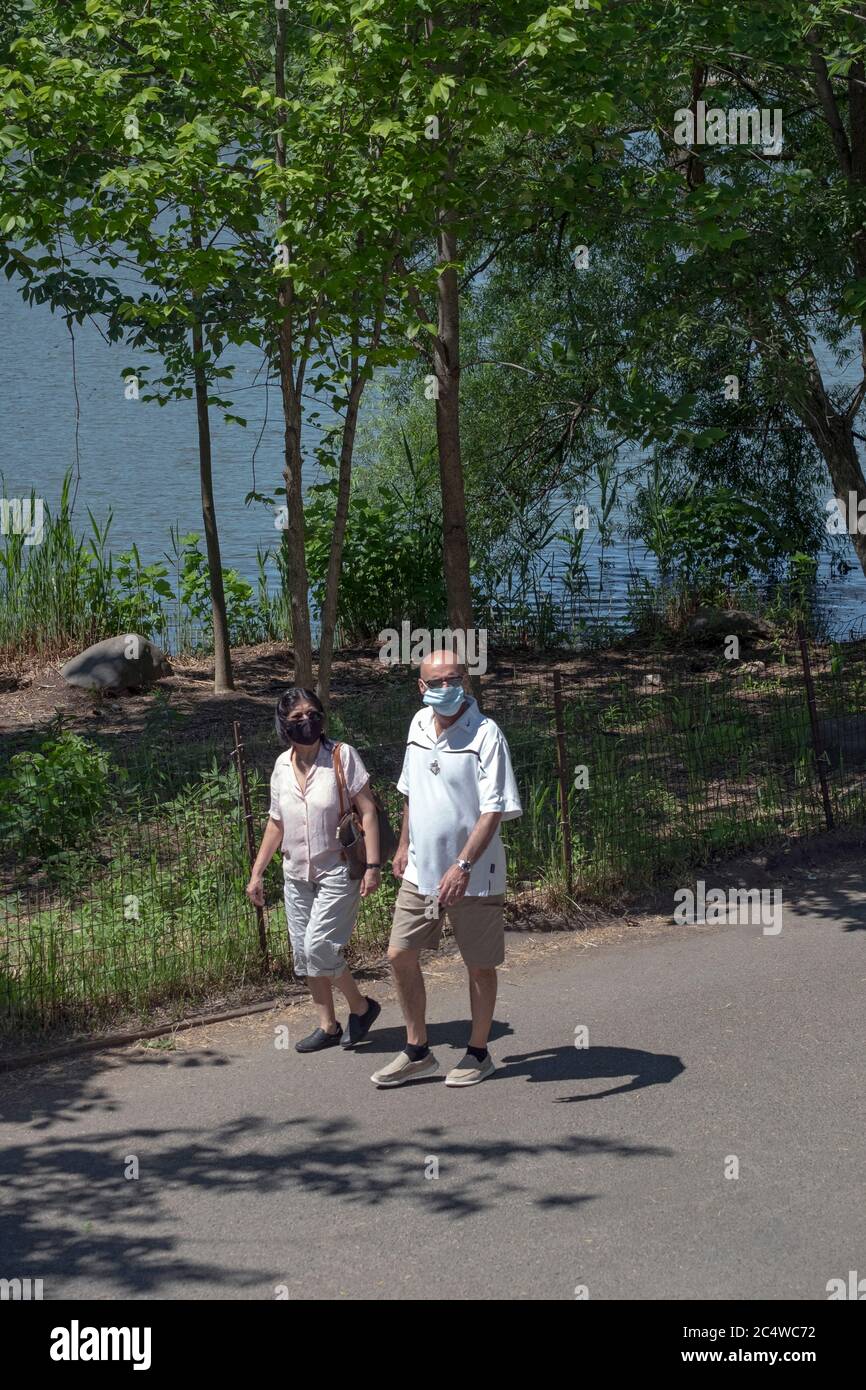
(59, 591)
(69, 590)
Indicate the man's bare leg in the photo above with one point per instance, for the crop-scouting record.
(482, 1002)
(412, 993)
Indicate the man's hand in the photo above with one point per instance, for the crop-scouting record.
(452, 886)
(256, 891)
(400, 860)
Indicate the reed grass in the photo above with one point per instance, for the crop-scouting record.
(69, 589)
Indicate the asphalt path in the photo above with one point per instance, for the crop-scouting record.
(606, 1169)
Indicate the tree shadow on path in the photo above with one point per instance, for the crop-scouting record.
(68, 1212)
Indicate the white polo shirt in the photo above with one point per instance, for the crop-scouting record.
(450, 781)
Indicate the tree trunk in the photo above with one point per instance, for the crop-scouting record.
(335, 557)
(447, 368)
(221, 648)
(833, 434)
(455, 538)
(295, 538)
(446, 365)
(832, 431)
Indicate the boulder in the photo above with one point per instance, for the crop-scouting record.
(715, 624)
(843, 739)
(119, 663)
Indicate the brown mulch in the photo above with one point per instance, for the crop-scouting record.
(33, 693)
(260, 672)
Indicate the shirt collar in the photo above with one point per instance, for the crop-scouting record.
(323, 757)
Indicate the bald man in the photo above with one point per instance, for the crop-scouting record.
(459, 785)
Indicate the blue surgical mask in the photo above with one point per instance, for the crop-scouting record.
(446, 700)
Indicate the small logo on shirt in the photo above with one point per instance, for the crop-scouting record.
(434, 768)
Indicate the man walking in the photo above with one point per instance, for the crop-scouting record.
(459, 784)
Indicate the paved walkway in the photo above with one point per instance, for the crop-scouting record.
(602, 1167)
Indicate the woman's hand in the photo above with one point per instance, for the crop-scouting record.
(256, 890)
(370, 882)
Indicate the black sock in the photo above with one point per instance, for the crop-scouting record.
(417, 1052)
(479, 1053)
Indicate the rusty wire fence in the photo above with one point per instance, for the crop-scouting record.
(124, 869)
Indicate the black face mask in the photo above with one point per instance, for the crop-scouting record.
(305, 731)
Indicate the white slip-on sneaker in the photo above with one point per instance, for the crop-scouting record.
(403, 1069)
(470, 1071)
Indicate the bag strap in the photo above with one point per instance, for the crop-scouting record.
(341, 779)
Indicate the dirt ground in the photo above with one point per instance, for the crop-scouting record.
(33, 693)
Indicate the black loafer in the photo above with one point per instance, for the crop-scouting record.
(319, 1039)
(360, 1024)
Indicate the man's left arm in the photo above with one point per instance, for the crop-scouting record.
(454, 882)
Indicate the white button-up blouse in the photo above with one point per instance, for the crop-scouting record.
(309, 818)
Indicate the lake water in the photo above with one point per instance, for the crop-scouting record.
(139, 460)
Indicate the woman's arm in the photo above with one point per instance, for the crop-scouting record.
(271, 841)
(401, 853)
(370, 821)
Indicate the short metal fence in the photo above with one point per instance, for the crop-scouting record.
(629, 774)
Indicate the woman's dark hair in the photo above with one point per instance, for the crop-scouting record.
(286, 703)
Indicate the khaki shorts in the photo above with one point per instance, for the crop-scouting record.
(320, 916)
(478, 925)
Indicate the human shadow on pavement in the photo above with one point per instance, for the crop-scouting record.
(591, 1063)
(454, 1033)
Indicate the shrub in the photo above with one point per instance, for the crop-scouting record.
(52, 795)
(392, 561)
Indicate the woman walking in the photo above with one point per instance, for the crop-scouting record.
(321, 899)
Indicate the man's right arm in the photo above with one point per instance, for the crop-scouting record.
(401, 854)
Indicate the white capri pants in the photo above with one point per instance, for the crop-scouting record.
(321, 917)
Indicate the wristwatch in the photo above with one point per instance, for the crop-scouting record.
(464, 864)
(372, 866)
